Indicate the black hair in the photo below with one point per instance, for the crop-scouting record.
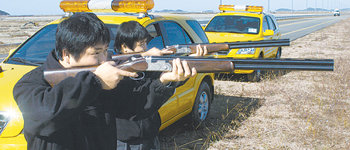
(129, 33)
(78, 32)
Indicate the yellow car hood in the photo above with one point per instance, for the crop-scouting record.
(8, 78)
(220, 37)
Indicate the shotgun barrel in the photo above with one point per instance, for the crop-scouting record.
(215, 47)
(202, 65)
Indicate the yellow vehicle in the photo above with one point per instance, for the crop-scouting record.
(244, 23)
(192, 99)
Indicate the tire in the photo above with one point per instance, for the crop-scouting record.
(201, 105)
(256, 75)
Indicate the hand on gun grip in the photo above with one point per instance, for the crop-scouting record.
(109, 75)
(200, 51)
(181, 71)
(156, 52)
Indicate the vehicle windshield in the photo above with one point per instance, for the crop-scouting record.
(234, 24)
(35, 50)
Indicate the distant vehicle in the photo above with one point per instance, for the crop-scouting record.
(336, 12)
(244, 23)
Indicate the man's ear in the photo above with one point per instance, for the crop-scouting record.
(65, 56)
(123, 47)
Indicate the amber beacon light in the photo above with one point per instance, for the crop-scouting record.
(136, 6)
(132, 5)
(241, 8)
(75, 6)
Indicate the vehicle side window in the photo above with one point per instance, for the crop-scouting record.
(265, 24)
(198, 29)
(271, 23)
(175, 34)
(157, 39)
(42, 43)
(112, 32)
(39, 46)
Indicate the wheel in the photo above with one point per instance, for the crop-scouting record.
(201, 105)
(256, 75)
(279, 53)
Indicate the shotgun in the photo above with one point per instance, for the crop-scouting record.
(182, 49)
(202, 65)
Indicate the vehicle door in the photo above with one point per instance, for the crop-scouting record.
(172, 34)
(269, 25)
(272, 26)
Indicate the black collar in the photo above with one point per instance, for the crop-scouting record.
(52, 62)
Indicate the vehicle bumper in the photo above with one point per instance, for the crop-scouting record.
(13, 143)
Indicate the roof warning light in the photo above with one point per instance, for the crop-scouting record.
(136, 6)
(241, 8)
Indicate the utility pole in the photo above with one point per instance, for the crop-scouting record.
(292, 7)
(220, 2)
(268, 5)
(315, 5)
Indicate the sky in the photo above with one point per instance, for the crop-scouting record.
(51, 7)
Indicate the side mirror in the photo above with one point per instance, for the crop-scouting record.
(269, 33)
(11, 51)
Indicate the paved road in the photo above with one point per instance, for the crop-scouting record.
(294, 28)
(297, 28)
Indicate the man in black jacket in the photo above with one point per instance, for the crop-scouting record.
(138, 126)
(79, 112)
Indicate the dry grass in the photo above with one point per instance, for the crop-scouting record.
(18, 29)
(6, 49)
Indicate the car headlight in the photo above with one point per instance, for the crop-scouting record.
(5, 117)
(221, 53)
(246, 51)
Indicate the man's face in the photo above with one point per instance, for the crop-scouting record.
(140, 46)
(92, 56)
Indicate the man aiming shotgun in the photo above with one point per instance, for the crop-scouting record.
(204, 65)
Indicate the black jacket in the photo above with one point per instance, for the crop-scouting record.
(140, 119)
(75, 114)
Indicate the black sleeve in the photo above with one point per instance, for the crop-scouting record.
(46, 109)
(158, 94)
(134, 129)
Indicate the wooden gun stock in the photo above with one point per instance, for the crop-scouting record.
(53, 77)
